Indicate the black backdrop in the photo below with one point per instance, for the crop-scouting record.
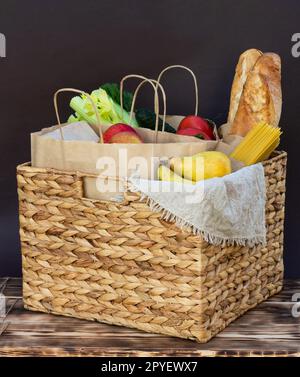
(58, 43)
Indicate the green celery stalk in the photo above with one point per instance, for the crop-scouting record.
(77, 104)
(126, 116)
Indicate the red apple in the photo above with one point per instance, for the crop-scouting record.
(114, 134)
(126, 138)
(193, 121)
(194, 132)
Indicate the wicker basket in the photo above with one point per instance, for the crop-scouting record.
(119, 263)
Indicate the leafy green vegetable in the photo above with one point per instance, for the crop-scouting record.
(113, 90)
(109, 111)
(146, 119)
(107, 100)
(74, 118)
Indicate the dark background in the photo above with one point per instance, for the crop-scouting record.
(53, 44)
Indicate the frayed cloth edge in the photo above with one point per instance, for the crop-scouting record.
(167, 215)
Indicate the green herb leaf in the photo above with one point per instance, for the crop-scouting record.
(113, 90)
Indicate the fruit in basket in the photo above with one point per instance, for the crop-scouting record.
(194, 132)
(166, 174)
(125, 138)
(198, 123)
(204, 165)
(121, 133)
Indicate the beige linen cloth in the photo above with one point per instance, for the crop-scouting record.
(227, 210)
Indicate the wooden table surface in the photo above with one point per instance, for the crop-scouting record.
(269, 329)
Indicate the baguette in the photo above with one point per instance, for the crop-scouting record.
(261, 99)
(245, 64)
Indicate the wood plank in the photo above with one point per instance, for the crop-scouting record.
(269, 329)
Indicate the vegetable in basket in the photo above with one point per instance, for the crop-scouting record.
(146, 119)
(109, 111)
(107, 99)
(113, 90)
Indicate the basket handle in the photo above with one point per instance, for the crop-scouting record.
(194, 78)
(89, 98)
(156, 103)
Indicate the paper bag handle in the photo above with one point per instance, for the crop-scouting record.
(92, 103)
(156, 103)
(155, 92)
(194, 78)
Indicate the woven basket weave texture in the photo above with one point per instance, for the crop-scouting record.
(120, 263)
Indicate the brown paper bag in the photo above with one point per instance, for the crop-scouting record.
(91, 158)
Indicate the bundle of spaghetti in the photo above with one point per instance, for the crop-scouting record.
(258, 144)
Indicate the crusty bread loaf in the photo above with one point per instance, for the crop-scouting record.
(245, 64)
(261, 99)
